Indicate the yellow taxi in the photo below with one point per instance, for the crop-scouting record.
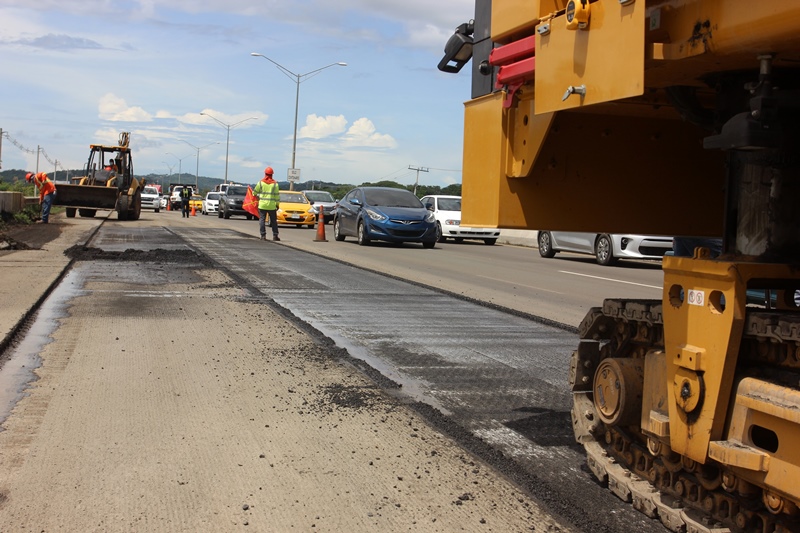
(196, 203)
(296, 209)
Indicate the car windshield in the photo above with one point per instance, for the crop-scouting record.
(391, 198)
(450, 204)
(237, 191)
(319, 196)
(212, 196)
(293, 198)
(150, 190)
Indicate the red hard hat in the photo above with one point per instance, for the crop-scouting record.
(269, 171)
(29, 176)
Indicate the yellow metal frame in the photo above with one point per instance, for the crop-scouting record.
(571, 58)
(704, 314)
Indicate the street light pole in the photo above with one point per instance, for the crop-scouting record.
(297, 78)
(197, 167)
(228, 139)
(180, 162)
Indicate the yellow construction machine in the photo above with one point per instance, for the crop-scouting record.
(663, 117)
(107, 183)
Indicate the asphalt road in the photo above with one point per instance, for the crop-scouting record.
(475, 338)
(561, 289)
(420, 317)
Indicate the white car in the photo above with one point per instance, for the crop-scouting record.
(607, 248)
(151, 199)
(163, 201)
(210, 203)
(447, 210)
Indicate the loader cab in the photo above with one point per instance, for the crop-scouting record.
(109, 166)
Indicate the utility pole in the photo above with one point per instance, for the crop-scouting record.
(1, 148)
(418, 169)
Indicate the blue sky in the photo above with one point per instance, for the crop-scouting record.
(77, 72)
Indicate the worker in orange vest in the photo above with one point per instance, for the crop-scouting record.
(47, 192)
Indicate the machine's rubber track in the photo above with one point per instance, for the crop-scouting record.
(685, 496)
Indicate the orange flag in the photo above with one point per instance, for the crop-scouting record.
(250, 202)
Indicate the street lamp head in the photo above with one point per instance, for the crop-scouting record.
(342, 64)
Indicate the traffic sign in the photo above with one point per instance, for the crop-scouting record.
(293, 174)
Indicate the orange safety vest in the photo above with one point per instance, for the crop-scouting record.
(44, 184)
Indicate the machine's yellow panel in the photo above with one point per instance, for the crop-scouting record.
(514, 18)
(484, 161)
(606, 58)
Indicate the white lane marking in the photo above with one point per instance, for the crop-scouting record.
(611, 279)
(519, 284)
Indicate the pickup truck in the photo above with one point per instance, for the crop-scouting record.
(175, 196)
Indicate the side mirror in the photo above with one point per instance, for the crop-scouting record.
(429, 206)
(355, 201)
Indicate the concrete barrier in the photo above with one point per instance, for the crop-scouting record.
(519, 237)
(11, 202)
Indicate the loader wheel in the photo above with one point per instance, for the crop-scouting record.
(71, 212)
(136, 208)
(87, 213)
(122, 208)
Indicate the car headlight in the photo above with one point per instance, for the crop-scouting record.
(279, 211)
(430, 217)
(374, 215)
(313, 211)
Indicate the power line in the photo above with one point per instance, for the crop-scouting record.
(39, 149)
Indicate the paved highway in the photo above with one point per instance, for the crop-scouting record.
(500, 375)
(475, 338)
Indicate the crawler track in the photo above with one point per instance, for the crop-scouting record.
(684, 495)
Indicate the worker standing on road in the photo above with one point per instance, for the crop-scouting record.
(186, 195)
(268, 202)
(47, 192)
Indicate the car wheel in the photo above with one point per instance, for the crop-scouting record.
(337, 231)
(226, 215)
(363, 240)
(428, 244)
(604, 251)
(546, 244)
(439, 236)
(71, 212)
(489, 242)
(459, 239)
(219, 213)
(157, 210)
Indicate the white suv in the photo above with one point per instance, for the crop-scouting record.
(447, 210)
(151, 199)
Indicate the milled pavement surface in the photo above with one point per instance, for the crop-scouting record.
(145, 417)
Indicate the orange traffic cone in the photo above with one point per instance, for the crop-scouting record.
(193, 213)
(321, 226)
(168, 205)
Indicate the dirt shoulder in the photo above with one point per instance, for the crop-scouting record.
(146, 418)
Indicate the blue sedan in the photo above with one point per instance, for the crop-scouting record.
(384, 214)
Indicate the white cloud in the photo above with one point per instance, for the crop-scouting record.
(114, 108)
(363, 133)
(320, 127)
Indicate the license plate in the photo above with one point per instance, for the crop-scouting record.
(296, 217)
